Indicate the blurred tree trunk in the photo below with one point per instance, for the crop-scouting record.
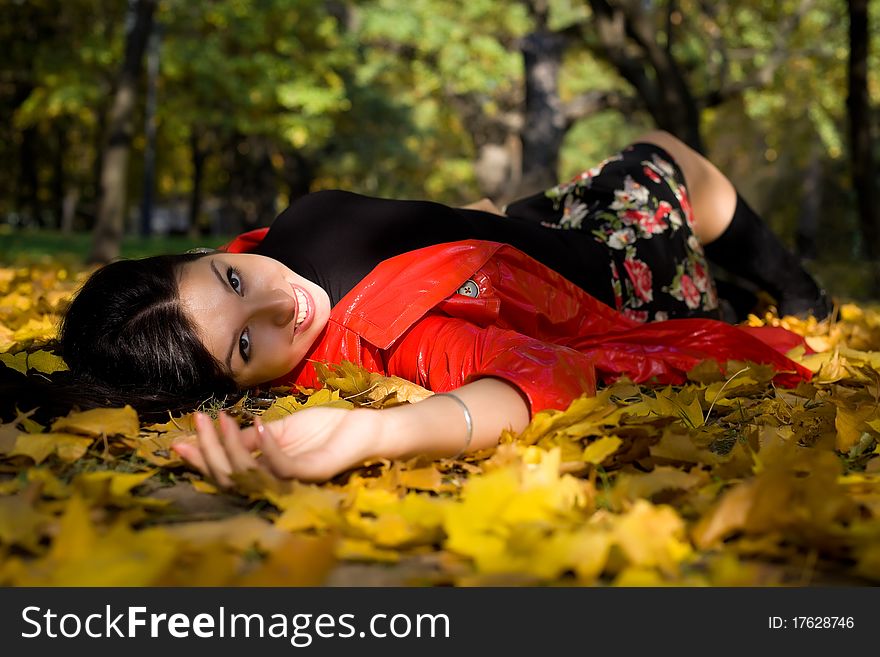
(252, 188)
(860, 133)
(298, 172)
(544, 125)
(29, 181)
(518, 150)
(808, 221)
(93, 199)
(624, 28)
(110, 224)
(59, 181)
(68, 209)
(198, 154)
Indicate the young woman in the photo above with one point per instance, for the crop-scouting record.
(503, 313)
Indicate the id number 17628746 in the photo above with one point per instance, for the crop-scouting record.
(810, 622)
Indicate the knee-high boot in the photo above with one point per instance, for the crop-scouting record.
(748, 248)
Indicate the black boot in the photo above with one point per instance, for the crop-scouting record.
(749, 249)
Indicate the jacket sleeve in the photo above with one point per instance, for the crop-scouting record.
(442, 353)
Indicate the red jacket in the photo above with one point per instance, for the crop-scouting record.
(416, 316)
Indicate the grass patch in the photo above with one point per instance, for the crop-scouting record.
(28, 245)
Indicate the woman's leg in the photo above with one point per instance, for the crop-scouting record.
(712, 195)
(736, 238)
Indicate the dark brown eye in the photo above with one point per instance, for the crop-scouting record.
(234, 279)
(244, 346)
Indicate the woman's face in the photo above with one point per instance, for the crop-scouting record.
(252, 313)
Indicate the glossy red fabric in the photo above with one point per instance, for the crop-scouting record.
(527, 325)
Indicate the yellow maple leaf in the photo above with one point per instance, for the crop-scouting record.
(36, 329)
(284, 406)
(599, 450)
(428, 478)
(7, 337)
(359, 549)
(392, 521)
(361, 386)
(38, 446)
(82, 556)
(508, 511)
(98, 421)
(652, 536)
(156, 449)
(240, 533)
(184, 424)
(18, 361)
(307, 506)
(20, 523)
(629, 487)
(50, 485)
(850, 423)
(585, 416)
(202, 486)
(297, 561)
(109, 487)
(46, 362)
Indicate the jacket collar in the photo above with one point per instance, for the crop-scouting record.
(400, 290)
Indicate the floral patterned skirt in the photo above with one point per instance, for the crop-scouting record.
(635, 205)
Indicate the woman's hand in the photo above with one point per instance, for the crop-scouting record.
(311, 445)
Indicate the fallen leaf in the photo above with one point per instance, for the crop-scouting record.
(46, 362)
(38, 446)
(20, 523)
(18, 362)
(240, 533)
(80, 555)
(652, 535)
(101, 421)
(296, 561)
(851, 423)
(599, 450)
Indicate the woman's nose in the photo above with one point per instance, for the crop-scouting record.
(278, 306)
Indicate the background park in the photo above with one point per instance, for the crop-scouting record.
(153, 126)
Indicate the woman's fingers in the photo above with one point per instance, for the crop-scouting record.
(192, 455)
(278, 462)
(219, 455)
(212, 451)
(233, 440)
(249, 438)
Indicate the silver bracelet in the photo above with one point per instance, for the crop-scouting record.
(468, 419)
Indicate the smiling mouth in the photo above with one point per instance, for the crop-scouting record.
(302, 307)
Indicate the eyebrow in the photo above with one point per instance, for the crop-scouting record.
(228, 289)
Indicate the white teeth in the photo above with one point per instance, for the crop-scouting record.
(302, 306)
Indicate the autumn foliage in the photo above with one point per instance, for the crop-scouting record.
(727, 480)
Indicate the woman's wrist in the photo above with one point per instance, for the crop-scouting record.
(439, 425)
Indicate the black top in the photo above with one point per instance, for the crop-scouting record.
(335, 238)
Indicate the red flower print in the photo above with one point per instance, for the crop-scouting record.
(701, 277)
(654, 224)
(630, 217)
(636, 315)
(640, 275)
(689, 292)
(648, 171)
(685, 204)
(616, 287)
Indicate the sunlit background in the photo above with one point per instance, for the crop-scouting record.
(202, 119)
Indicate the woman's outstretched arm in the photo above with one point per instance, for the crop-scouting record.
(316, 444)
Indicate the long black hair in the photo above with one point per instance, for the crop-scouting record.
(127, 340)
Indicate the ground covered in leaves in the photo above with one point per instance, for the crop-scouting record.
(728, 480)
